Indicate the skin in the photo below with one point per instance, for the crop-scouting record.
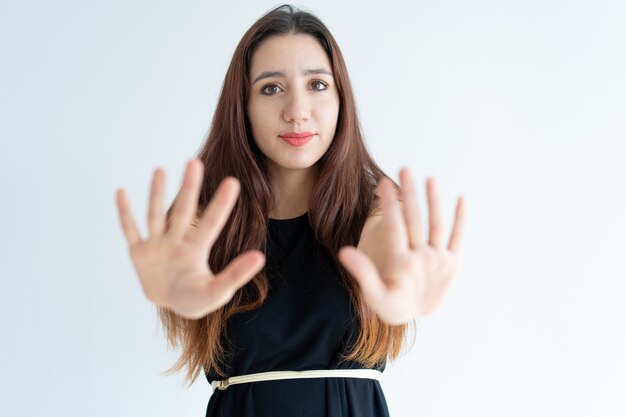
(293, 103)
(401, 275)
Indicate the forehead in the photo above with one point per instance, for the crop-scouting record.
(288, 52)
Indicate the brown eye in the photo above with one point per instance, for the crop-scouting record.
(268, 90)
(318, 83)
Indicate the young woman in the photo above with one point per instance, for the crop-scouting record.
(289, 265)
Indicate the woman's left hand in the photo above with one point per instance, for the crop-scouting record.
(400, 275)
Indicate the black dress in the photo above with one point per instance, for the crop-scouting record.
(305, 323)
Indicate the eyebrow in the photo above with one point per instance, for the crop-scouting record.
(310, 71)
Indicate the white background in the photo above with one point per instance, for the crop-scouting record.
(519, 106)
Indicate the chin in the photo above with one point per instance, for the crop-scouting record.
(295, 165)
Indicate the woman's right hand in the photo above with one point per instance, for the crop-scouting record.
(172, 264)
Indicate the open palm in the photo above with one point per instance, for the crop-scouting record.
(402, 276)
(172, 262)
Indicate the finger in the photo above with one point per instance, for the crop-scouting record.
(364, 271)
(393, 219)
(458, 230)
(434, 214)
(129, 227)
(156, 216)
(186, 202)
(412, 214)
(236, 274)
(216, 214)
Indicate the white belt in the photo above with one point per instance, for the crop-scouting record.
(323, 373)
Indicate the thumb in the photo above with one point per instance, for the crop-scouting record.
(361, 267)
(236, 274)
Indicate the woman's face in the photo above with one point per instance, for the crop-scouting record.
(292, 91)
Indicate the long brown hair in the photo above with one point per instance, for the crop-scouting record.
(341, 201)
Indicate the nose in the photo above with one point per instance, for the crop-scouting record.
(297, 108)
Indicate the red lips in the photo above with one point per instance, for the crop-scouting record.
(297, 135)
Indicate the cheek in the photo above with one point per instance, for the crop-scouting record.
(257, 122)
(262, 117)
(329, 113)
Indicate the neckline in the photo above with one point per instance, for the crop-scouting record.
(303, 215)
